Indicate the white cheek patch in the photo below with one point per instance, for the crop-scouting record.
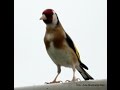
(55, 20)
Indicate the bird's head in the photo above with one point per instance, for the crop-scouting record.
(49, 17)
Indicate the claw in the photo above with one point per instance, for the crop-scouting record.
(53, 82)
(77, 79)
(67, 81)
(74, 80)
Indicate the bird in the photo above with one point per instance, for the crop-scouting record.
(60, 47)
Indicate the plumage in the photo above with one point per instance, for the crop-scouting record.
(60, 46)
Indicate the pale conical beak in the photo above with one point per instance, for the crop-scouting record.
(43, 17)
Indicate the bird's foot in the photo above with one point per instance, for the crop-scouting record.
(73, 80)
(67, 81)
(53, 82)
(77, 79)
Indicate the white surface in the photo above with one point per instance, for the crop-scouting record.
(84, 20)
(81, 85)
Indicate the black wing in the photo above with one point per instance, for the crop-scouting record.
(71, 44)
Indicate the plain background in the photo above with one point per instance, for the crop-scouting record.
(84, 20)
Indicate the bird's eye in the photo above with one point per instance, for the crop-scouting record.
(49, 15)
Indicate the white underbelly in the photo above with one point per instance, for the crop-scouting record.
(61, 57)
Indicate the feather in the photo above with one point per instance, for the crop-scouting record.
(71, 44)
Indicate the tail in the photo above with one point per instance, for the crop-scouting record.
(84, 74)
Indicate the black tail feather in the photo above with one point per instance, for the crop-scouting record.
(83, 65)
(84, 74)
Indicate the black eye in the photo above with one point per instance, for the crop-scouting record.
(49, 15)
(49, 18)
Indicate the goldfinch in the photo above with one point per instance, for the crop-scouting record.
(60, 46)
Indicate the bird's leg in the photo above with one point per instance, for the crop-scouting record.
(74, 79)
(54, 81)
